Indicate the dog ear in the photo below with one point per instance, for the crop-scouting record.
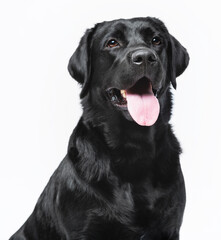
(179, 59)
(79, 65)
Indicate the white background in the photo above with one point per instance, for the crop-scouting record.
(39, 102)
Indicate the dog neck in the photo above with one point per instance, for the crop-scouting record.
(122, 145)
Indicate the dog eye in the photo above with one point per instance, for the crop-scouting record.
(112, 43)
(156, 41)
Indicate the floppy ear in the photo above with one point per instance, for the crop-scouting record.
(179, 59)
(79, 64)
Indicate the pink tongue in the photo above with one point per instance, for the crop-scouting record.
(144, 108)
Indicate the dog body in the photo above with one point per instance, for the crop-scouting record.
(121, 177)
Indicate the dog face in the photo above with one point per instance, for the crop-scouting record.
(128, 65)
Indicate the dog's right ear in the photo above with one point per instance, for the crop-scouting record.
(79, 65)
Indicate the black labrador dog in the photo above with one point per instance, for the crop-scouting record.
(121, 178)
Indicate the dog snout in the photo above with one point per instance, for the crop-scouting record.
(143, 56)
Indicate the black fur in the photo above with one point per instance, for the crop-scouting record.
(119, 180)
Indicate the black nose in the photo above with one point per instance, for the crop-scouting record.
(141, 56)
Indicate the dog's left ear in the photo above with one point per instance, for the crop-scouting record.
(79, 65)
(179, 59)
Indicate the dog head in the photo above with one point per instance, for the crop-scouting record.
(128, 66)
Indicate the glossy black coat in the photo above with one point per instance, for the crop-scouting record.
(119, 180)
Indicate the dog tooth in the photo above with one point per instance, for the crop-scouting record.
(123, 93)
(114, 98)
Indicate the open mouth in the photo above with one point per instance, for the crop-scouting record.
(140, 100)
